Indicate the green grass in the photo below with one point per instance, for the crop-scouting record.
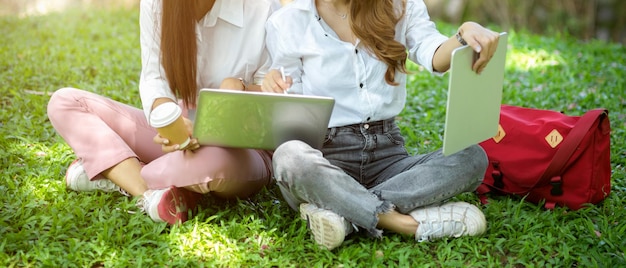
(42, 224)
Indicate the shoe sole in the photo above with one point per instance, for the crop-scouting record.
(175, 204)
(169, 209)
(327, 227)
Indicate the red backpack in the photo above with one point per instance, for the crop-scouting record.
(547, 156)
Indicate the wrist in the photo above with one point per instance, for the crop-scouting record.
(459, 33)
(459, 37)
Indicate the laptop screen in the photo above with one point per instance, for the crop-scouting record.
(257, 120)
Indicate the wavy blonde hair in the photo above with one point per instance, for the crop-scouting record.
(374, 23)
(179, 48)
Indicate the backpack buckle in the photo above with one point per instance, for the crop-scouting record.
(496, 174)
(557, 184)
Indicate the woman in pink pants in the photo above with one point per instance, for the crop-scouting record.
(185, 46)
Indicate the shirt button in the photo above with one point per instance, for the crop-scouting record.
(356, 51)
(366, 126)
(361, 85)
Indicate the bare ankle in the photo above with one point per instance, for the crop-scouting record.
(397, 222)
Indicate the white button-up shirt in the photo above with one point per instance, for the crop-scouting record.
(230, 42)
(322, 64)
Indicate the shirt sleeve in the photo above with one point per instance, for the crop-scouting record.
(260, 73)
(282, 49)
(422, 37)
(152, 83)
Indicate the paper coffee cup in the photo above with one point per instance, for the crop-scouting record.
(167, 120)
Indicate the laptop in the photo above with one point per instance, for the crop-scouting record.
(259, 120)
(474, 100)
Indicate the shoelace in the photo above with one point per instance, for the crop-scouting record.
(141, 204)
(431, 231)
(123, 192)
(426, 235)
(351, 227)
(106, 184)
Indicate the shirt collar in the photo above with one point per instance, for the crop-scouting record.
(305, 5)
(309, 6)
(230, 11)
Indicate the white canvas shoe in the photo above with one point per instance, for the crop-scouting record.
(448, 220)
(76, 179)
(328, 228)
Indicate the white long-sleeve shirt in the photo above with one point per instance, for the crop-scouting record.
(230, 42)
(322, 64)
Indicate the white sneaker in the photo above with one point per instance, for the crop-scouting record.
(76, 179)
(328, 228)
(448, 220)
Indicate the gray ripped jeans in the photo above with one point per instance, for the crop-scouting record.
(364, 169)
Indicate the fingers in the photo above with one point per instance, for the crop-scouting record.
(165, 144)
(273, 82)
(160, 140)
(269, 81)
(483, 41)
(286, 84)
(193, 145)
(233, 83)
(167, 148)
(485, 44)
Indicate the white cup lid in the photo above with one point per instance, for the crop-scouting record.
(165, 114)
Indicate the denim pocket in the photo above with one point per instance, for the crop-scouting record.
(330, 134)
(395, 136)
(342, 139)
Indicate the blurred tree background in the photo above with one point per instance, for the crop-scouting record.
(584, 19)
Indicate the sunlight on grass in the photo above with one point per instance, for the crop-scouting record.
(204, 242)
(522, 60)
(222, 242)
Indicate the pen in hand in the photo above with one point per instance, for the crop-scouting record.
(282, 75)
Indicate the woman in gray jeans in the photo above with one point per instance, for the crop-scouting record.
(355, 51)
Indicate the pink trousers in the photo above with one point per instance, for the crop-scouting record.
(103, 132)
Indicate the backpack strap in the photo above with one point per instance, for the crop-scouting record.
(482, 192)
(567, 148)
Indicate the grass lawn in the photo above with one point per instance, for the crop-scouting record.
(43, 224)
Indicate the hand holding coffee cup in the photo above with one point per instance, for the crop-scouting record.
(168, 121)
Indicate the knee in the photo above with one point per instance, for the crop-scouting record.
(478, 159)
(291, 152)
(295, 160)
(62, 95)
(59, 101)
(478, 155)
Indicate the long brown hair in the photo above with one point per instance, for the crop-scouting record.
(179, 48)
(374, 23)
